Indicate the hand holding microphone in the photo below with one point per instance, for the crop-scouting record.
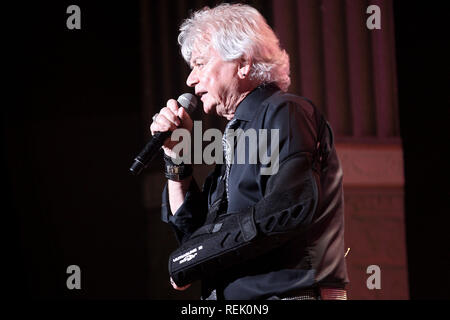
(175, 115)
(170, 118)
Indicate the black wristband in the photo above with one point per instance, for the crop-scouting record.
(176, 172)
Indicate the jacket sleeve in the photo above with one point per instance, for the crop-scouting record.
(191, 214)
(289, 203)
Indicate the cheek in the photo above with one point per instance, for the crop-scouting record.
(212, 80)
(215, 90)
(219, 82)
(222, 85)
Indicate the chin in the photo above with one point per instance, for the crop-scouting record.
(208, 109)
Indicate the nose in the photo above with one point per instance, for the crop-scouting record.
(192, 79)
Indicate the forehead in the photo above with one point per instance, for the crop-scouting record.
(204, 55)
(202, 47)
(199, 52)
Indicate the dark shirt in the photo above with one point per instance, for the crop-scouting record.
(313, 255)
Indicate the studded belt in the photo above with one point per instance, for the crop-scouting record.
(318, 294)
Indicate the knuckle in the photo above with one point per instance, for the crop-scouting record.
(168, 113)
(172, 104)
(170, 116)
(163, 111)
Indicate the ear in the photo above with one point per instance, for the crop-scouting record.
(244, 68)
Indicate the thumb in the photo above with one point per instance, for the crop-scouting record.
(185, 118)
(182, 113)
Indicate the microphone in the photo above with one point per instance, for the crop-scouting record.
(189, 102)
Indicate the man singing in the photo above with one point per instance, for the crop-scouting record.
(249, 234)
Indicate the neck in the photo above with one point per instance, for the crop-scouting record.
(236, 103)
(245, 92)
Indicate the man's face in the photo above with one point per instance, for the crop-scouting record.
(216, 82)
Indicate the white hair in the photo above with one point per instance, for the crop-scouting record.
(237, 31)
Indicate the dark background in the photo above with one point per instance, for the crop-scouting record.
(76, 119)
(70, 133)
(423, 84)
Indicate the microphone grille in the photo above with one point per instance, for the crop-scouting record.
(188, 101)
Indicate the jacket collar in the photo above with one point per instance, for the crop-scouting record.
(247, 109)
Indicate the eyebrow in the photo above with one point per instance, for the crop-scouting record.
(195, 60)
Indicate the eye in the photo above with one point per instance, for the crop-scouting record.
(198, 64)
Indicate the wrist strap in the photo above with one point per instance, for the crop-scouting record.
(176, 172)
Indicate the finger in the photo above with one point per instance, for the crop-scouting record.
(174, 285)
(166, 123)
(186, 120)
(156, 127)
(172, 104)
(162, 124)
(183, 115)
(182, 288)
(170, 115)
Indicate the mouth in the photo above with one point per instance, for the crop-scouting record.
(201, 94)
